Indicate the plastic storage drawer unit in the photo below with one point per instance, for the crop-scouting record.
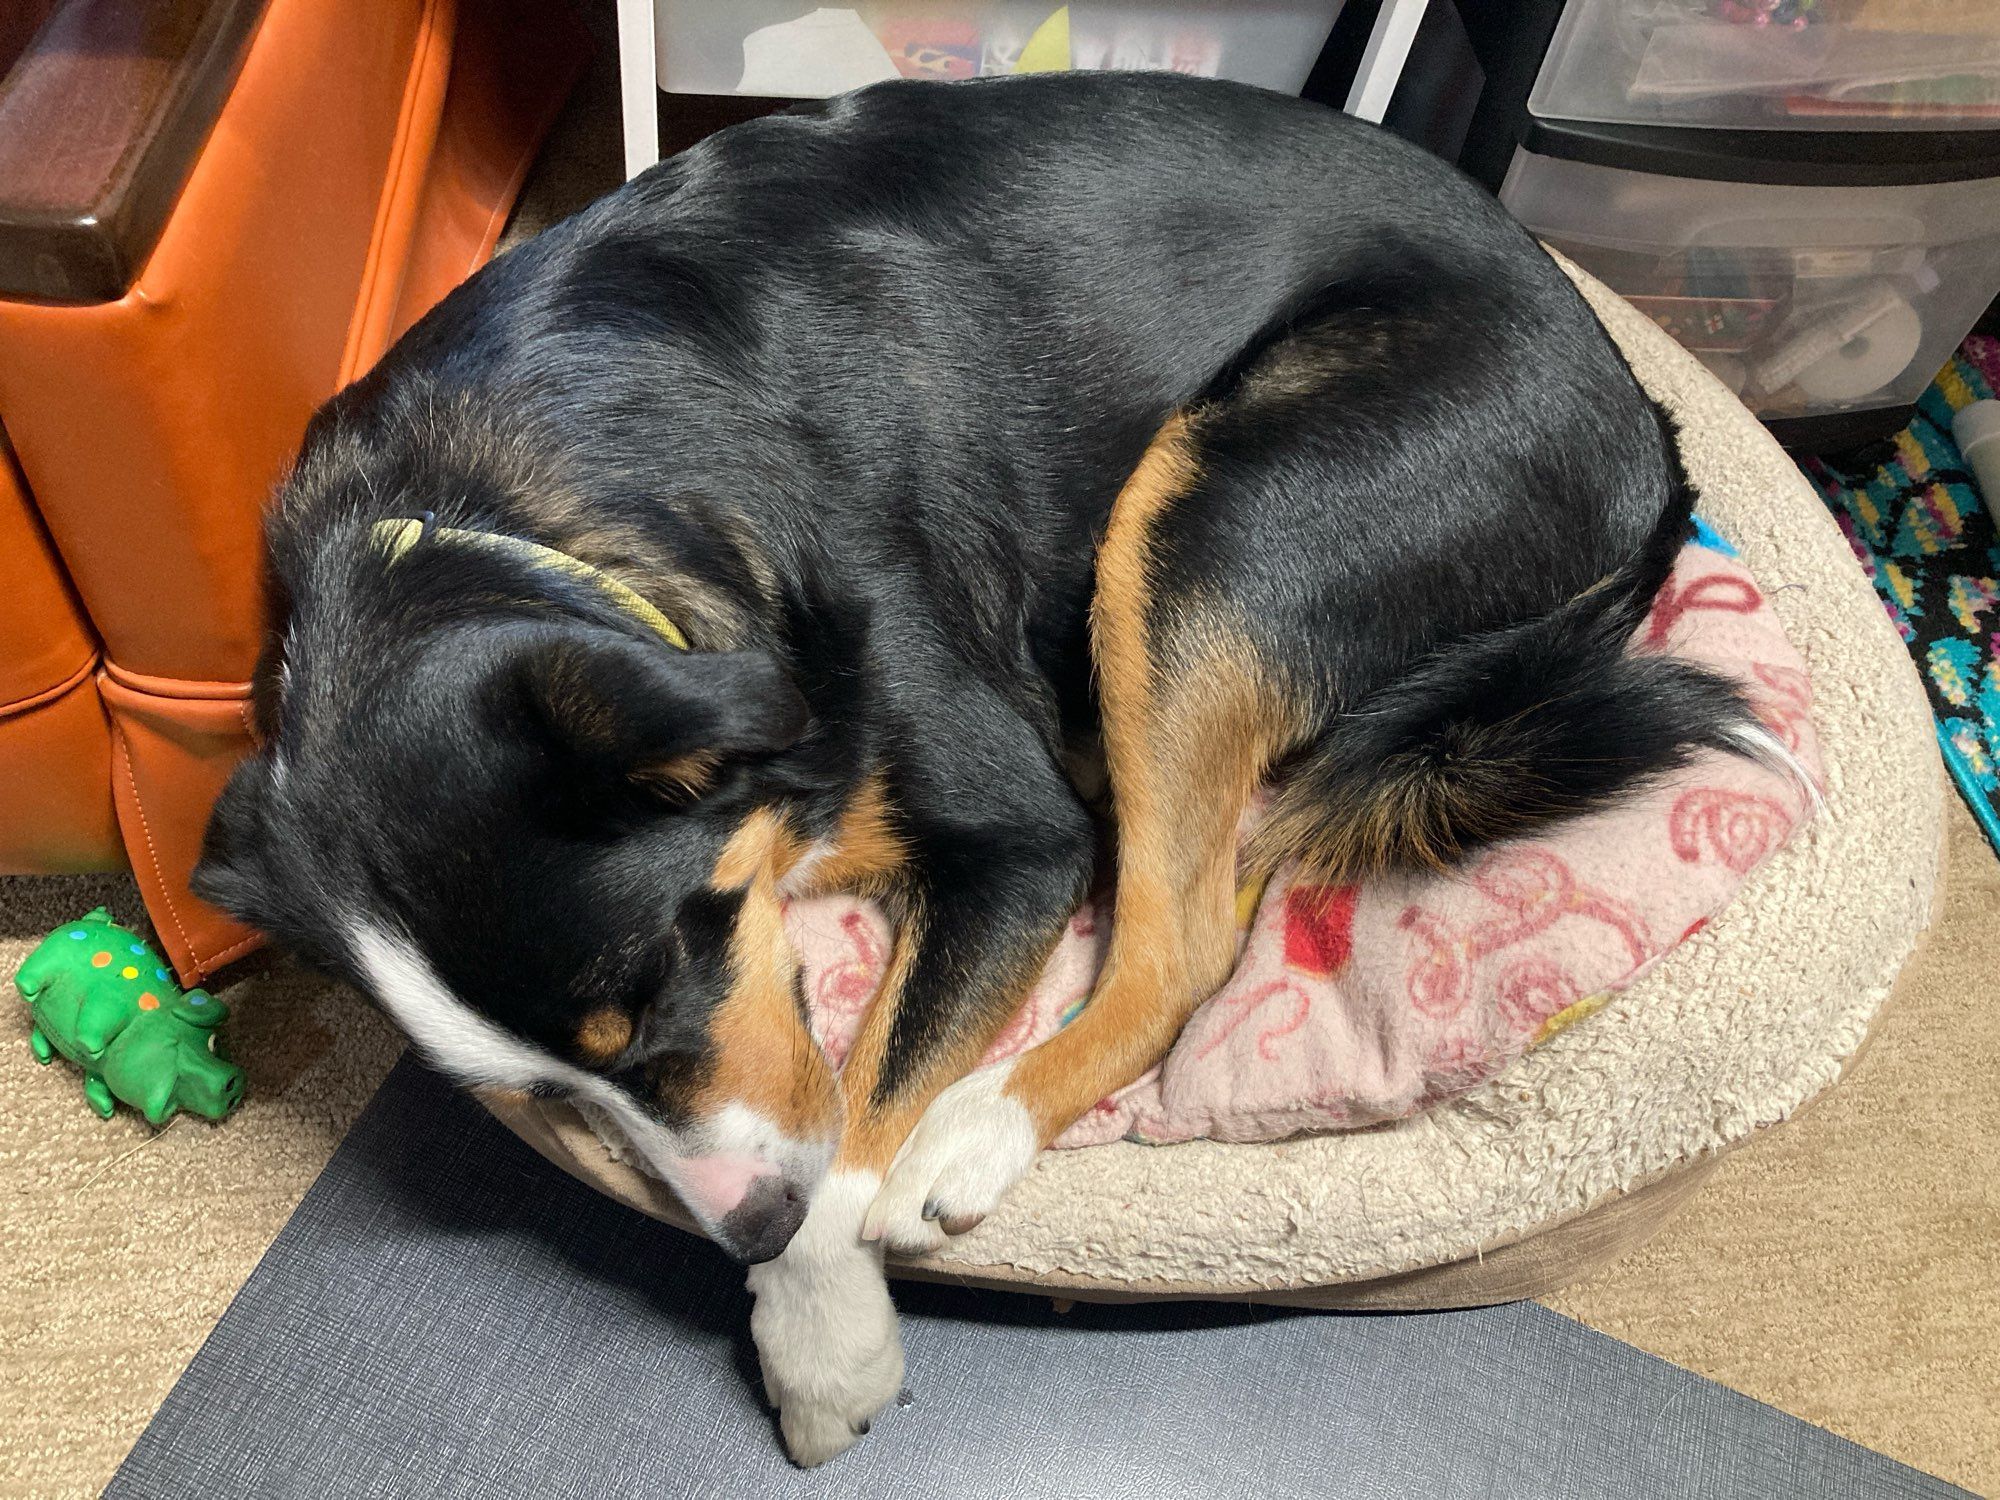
(1775, 64)
(1805, 300)
(784, 49)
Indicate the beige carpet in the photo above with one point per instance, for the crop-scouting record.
(1847, 1267)
(124, 1244)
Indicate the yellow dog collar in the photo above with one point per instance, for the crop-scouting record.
(398, 537)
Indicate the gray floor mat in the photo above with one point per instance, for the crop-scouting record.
(446, 1315)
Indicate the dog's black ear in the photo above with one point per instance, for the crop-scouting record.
(649, 711)
(231, 873)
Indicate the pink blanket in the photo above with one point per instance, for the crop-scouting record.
(1356, 1004)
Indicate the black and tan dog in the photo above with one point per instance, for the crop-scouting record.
(783, 521)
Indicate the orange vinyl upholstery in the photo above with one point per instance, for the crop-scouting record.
(360, 167)
(55, 745)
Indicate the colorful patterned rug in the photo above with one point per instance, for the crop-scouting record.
(1912, 512)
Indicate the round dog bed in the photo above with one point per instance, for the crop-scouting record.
(1580, 1148)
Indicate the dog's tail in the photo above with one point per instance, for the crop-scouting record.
(1499, 735)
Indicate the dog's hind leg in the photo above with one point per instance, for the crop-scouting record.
(1190, 725)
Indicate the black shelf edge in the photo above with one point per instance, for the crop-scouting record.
(1833, 432)
(1792, 158)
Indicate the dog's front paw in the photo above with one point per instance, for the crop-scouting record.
(972, 1144)
(825, 1328)
(828, 1383)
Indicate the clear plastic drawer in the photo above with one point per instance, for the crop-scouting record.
(1775, 64)
(790, 50)
(1804, 300)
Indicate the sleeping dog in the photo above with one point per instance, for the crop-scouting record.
(790, 518)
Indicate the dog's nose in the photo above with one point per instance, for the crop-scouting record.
(759, 1228)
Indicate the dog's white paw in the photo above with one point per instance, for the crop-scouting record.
(825, 1328)
(971, 1145)
(828, 1393)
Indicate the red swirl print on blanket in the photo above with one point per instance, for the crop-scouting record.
(1356, 1004)
(1737, 828)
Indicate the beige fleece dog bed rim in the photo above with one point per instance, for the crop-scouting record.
(1546, 1172)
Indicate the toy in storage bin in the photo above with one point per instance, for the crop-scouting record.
(1808, 301)
(1710, 301)
(1774, 64)
(786, 49)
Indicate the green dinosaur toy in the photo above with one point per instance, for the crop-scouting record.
(108, 1003)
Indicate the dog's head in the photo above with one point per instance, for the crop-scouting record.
(542, 842)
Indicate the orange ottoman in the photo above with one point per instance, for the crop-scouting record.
(55, 746)
(361, 164)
